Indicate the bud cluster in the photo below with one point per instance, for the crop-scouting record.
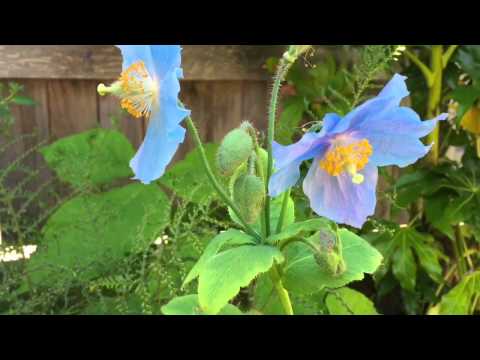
(240, 159)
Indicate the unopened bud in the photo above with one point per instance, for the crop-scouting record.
(249, 196)
(328, 253)
(295, 51)
(234, 151)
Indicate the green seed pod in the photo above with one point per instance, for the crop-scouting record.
(235, 150)
(328, 255)
(249, 196)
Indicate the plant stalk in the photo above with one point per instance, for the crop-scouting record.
(282, 71)
(434, 99)
(282, 293)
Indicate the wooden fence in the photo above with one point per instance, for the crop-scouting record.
(223, 86)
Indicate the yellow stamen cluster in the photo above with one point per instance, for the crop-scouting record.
(137, 86)
(136, 89)
(350, 158)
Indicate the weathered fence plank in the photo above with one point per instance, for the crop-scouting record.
(72, 107)
(200, 62)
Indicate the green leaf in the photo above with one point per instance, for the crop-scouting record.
(298, 229)
(96, 157)
(461, 299)
(290, 119)
(411, 187)
(226, 273)
(231, 237)
(349, 302)
(401, 253)
(189, 305)
(188, 178)
(404, 266)
(468, 57)
(89, 234)
(435, 213)
(466, 96)
(303, 276)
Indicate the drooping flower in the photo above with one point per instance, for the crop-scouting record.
(341, 183)
(148, 87)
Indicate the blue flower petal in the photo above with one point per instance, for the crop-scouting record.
(338, 199)
(134, 53)
(164, 133)
(396, 89)
(289, 158)
(394, 134)
(390, 97)
(166, 58)
(330, 122)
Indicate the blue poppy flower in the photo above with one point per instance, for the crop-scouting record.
(148, 87)
(341, 183)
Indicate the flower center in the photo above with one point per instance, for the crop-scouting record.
(136, 89)
(350, 158)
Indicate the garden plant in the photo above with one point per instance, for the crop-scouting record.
(359, 198)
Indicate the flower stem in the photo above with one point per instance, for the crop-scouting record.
(282, 293)
(459, 253)
(282, 72)
(214, 181)
(434, 99)
(448, 55)
(427, 73)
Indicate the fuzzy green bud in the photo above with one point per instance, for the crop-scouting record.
(328, 254)
(249, 196)
(295, 51)
(234, 151)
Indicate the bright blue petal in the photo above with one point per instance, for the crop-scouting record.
(330, 122)
(135, 53)
(166, 58)
(284, 179)
(164, 133)
(338, 199)
(289, 158)
(390, 97)
(396, 89)
(160, 145)
(394, 134)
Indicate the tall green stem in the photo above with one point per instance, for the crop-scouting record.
(459, 252)
(214, 181)
(434, 99)
(282, 72)
(282, 293)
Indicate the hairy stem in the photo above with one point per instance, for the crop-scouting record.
(282, 72)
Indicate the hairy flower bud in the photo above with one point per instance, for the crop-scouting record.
(295, 51)
(328, 253)
(234, 151)
(249, 196)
